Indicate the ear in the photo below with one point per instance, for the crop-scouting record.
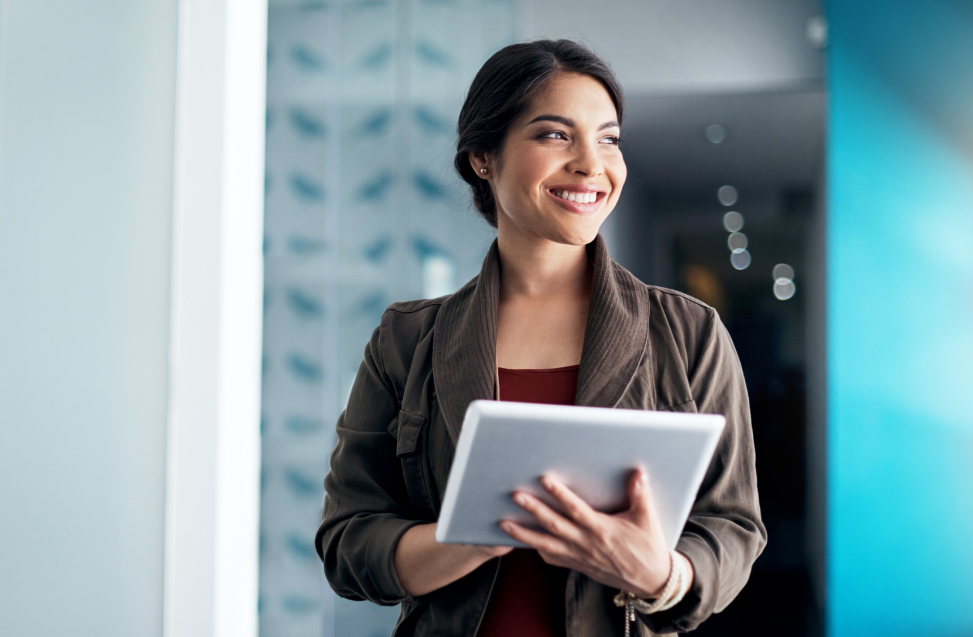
(480, 160)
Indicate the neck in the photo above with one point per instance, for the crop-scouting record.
(535, 267)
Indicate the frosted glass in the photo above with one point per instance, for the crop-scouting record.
(86, 118)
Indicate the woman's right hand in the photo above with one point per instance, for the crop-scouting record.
(423, 565)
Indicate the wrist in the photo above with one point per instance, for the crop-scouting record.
(484, 553)
(655, 582)
(672, 592)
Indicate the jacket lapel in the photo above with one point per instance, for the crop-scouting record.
(465, 341)
(464, 348)
(616, 336)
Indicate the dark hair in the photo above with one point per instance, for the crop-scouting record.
(501, 92)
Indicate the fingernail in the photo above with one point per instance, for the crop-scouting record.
(643, 479)
(520, 499)
(505, 526)
(546, 482)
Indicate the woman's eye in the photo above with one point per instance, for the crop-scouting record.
(610, 139)
(554, 134)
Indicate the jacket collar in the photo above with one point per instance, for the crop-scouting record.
(465, 342)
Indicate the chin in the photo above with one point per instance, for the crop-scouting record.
(575, 230)
(576, 236)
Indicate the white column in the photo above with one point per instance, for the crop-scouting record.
(213, 461)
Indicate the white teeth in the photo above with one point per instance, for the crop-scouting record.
(577, 197)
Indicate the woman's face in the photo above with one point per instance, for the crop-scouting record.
(563, 148)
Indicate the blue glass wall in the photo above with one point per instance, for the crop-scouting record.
(362, 209)
(900, 318)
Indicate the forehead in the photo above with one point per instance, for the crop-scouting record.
(574, 96)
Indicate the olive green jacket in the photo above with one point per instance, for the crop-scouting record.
(644, 348)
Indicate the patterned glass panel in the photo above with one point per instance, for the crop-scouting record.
(362, 209)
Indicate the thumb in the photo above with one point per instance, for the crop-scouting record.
(640, 495)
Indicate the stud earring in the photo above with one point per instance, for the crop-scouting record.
(483, 171)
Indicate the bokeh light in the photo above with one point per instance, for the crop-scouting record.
(727, 195)
(784, 289)
(715, 134)
(737, 241)
(733, 221)
(783, 271)
(740, 260)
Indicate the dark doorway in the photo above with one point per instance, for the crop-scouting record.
(725, 202)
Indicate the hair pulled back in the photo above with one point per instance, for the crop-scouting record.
(502, 91)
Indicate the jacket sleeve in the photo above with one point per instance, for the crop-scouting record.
(366, 503)
(724, 533)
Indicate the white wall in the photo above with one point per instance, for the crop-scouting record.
(86, 155)
(679, 46)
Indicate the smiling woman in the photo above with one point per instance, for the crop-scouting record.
(551, 318)
(562, 170)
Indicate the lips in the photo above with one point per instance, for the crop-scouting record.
(578, 198)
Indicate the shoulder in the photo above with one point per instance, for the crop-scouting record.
(405, 331)
(410, 311)
(410, 321)
(690, 329)
(668, 305)
(680, 326)
(680, 306)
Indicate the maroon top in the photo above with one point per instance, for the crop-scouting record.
(528, 596)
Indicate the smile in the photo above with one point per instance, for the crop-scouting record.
(583, 201)
(579, 197)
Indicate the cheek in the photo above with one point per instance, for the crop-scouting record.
(522, 172)
(536, 166)
(617, 172)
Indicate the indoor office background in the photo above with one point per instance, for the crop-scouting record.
(806, 168)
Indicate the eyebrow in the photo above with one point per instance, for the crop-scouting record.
(568, 122)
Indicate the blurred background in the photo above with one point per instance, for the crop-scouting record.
(806, 168)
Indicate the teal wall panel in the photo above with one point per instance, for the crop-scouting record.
(900, 319)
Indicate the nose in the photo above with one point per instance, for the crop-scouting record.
(586, 160)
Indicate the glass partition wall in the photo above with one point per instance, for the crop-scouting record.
(362, 209)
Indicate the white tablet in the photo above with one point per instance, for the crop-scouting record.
(507, 446)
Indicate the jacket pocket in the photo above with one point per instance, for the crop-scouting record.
(409, 434)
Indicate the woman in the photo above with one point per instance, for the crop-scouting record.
(550, 318)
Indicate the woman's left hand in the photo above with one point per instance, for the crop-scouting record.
(626, 550)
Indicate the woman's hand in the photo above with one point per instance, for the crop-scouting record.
(423, 565)
(626, 550)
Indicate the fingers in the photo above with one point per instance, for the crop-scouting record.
(543, 542)
(574, 507)
(640, 495)
(551, 521)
